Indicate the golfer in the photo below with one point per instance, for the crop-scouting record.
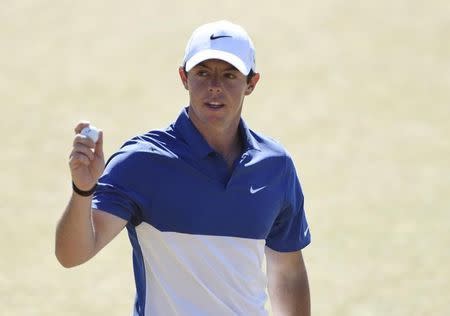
(205, 202)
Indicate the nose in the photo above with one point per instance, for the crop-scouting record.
(214, 84)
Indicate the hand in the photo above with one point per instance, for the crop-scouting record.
(86, 160)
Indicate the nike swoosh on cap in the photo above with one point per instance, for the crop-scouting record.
(212, 37)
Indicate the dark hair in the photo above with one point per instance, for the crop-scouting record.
(250, 75)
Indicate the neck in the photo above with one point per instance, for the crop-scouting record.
(226, 141)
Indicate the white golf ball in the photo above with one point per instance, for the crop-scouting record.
(91, 132)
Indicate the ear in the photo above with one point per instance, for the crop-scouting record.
(252, 84)
(183, 77)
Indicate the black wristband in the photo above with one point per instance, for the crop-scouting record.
(83, 193)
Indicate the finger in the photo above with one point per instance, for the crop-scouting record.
(83, 140)
(77, 159)
(82, 149)
(80, 125)
(99, 145)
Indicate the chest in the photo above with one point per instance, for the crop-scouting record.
(188, 198)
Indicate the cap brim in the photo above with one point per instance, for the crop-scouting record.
(217, 54)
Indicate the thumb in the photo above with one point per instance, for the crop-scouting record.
(98, 151)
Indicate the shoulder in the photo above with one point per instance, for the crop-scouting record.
(157, 142)
(151, 145)
(273, 151)
(270, 146)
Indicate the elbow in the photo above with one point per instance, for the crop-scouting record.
(66, 259)
(65, 262)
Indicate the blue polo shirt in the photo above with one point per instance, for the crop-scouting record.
(198, 231)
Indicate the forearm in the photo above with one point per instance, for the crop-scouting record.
(291, 296)
(75, 235)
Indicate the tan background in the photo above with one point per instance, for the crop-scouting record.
(358, 91)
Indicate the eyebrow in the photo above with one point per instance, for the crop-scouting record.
(203, 64)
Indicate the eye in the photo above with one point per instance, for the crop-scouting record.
(230, 75)
(202, 73)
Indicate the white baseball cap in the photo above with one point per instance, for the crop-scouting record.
(221, 40)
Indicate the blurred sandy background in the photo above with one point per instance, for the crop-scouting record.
(358, 91)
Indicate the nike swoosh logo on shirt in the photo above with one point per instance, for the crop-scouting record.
(253, 191)
(306, 231)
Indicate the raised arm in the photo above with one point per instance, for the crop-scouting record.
(82, 232)
(288, 283)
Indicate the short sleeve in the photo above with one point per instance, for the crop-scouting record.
(115, 193)
(290, 231)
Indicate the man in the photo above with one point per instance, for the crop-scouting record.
(205, 202)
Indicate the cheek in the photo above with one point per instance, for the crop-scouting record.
(237, 91)
(232, 86)
(196, 91)
(194, 85)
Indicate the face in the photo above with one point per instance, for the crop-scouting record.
(216, 93)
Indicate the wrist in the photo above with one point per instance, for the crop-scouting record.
(84, 193)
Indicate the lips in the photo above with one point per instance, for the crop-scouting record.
(214, 105)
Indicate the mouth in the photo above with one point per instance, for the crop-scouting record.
(214, 105)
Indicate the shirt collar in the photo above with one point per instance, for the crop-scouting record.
(198, 144)
(247, 137)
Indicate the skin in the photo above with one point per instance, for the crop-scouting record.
(216, 95)
(82, 232)
(288, 284)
